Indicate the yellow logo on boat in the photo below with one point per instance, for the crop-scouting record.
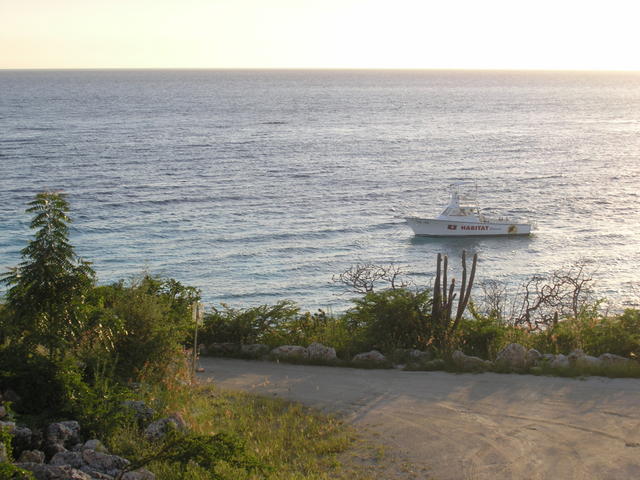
(513, 229)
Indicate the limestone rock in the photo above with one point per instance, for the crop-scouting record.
(610, 359)
(533, 357)
(223, 349)
(63, 433)
(51, 449)
(578, 358)
(254, 350)
(141, 411)
(3, 411)
(140, 474)
(469, 363)
(584, 361)
(317, 351)
(31, 456)
(547, 357)
(94, 444)
(420, 355)
(23, 439)
(159, 428)
(103, 462)
(97, 475)
(73, 459)
(373, 357)
(512, 357)
(290, 351)
(559, 361)
(54, 472)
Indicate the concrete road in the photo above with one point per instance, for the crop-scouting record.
(465, 426)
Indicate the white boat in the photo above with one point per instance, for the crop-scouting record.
(462, 218)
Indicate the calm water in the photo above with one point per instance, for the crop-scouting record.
(257, 186)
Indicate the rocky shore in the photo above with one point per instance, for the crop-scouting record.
(60, 451)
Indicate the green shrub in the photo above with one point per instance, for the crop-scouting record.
(481, 336)
(140, 328)
(9, 471)
(391, 319)
(30, 374)
(262, 324)
(618, 334)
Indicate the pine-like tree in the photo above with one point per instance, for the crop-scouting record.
(47, 290)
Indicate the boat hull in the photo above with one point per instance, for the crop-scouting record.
(431, 227)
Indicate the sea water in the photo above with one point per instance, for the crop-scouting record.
(257, 186)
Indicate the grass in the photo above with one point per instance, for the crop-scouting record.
(293, 442)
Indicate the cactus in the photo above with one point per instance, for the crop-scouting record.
(444, 296)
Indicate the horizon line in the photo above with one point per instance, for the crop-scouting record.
(346, 69)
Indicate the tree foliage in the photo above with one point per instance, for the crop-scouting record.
(141, 327)
(47, 290)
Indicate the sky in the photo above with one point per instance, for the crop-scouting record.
(420, 34)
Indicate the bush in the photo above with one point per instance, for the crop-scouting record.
(391, 319)
(618, 334)
(30, 374)
(140, 328)
(481, 336)
(262, 324)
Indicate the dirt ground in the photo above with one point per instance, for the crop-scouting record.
(466, 426)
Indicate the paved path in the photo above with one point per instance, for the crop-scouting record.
(486, 426)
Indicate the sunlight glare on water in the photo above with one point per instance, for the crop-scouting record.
(259, 186)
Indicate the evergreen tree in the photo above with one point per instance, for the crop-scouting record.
(47, 290)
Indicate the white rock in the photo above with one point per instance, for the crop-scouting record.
(290, 351)
(533, 357)
(420, 356)
(548, 357)
(373, 357)
(560, 361)
(54, 472)
(140, 474)
(578, 358)
(467, 362)
(94, 444)
(609, 359)
(103, 463)
(513, 357)
(159, 428)
(73, 459)
(588, 361)
(317, 351)
(31, 456)
(254, 349)
(63, 433)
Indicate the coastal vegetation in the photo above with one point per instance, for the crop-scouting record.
(72, 349)
(554, 314)
(112, 361)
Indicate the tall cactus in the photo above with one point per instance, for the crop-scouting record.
(443, 297)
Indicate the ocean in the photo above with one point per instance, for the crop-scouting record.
(256, 186)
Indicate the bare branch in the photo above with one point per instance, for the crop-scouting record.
(365, 278)
(567, 292)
